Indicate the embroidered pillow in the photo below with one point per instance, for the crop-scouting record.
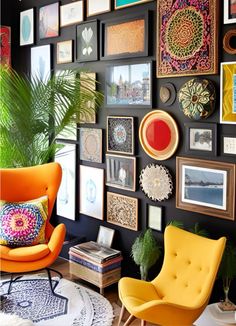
(23, 223)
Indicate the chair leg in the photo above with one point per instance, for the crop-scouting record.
(12, 280)
(143, 322)
(129, 320)
(49, 270)
(121, 314)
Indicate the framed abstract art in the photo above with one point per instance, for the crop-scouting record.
(119, 4)
(27, 27)
(49, 21)
(41, 62)
(64, 52)
(72, 13)
(90, 144)
(5, 49)
(86, 41)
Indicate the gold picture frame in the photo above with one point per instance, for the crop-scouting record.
(64, 52)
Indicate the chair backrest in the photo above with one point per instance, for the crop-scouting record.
(190, 267)
(22, 184)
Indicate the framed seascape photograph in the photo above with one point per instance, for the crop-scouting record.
(88, 79)
(229, 11)
(90, 144)
(122, 210)
(5, 53)
(87, 41)
(67, 191)
(124, 37)
(27, 27)
(120, 134)
(201, 138)
(49, 21)
(228, 92)
(121, 172)
(206, 187)
(72, 13)
(95, 7)
(229, 145)
(41, 62)
(129, 85)
(154, 217)
(187, 34)
(64, 52)
(91, 191)
(119, 4)
(105, 236)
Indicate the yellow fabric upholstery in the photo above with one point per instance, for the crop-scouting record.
(179, 294)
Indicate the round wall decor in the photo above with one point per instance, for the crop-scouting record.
(228, 43)
(167, 94)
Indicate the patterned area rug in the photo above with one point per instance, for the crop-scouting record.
(31, 298)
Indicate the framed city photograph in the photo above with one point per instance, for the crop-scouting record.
(119, 4)
(87, 41)
(105, 236)
(72, 13)
(201, 138)
(154, 217)
(229, 145)
(64, 52)
(90, 144)
(27, 27)
(49, 21)
(95, 7)
(229, 11)
(129, 85)
(121, 172)
(41, 62)
(206, 187)
(88, 79)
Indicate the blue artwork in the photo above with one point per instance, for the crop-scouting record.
(234, 94)
(27, 27)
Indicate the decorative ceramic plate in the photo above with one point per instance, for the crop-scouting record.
(158, 135)
(156, 182)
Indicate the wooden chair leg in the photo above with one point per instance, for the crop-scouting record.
(143, 322)
(121, 314)
(129, 320)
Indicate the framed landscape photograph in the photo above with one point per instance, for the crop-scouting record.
(90, 144)
(105, 236)
(129, 85)
(87, 41)
(229, 11)
(27, 27)
(41, 62)
(95, 7)
(49, 21)
(206, 187)
(154, 217)
(119, 4)
(64, 52)
(72, 13)
(229, 145)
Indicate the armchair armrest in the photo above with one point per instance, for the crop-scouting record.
(57, 238)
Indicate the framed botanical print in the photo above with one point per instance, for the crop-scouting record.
(90, 144)
(119, 4)
(229, 11)
(41, 62)
(49, 21)
(154, 217)
(95, 7)
(229, 145)
(64, 52)
(72, 13)
(87, 42)
(27, 27)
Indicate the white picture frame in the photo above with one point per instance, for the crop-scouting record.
(27, 27)
(97, 7)
(105, 236)
(41, 62)
(71, 13)
(227, 19)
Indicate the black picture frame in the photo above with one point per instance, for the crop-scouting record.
(87, 40)
(46, 22)
(152, 210)
(229, 149)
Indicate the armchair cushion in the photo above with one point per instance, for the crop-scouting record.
(30, 253)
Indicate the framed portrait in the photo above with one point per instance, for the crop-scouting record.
(228, 92)
(119, 4)
(49, 21)
(124, 37)
(229, 145)
(90, 144)
(122, 210)
(5, 54)
(121, 172)
(95, 7)
(41, 62)
(201, 138)
(88, 79)
(64, 52)
(66, 156)
(154, 217)
(87, 41)
(105, 236)
(129, 85)
(27, 27)
(72, 13)
(229, 11)
(187, 34)
(206, 187)
(91, 191)
(120, 134)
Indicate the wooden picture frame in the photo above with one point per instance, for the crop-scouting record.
(105, 236)
(49, 21)
(27, 27)
(87, 41)
(229, 16)
(228, 145)
(95, 7)
(120, 4)
(154, 217)
(72, 13)
(206, 187)
(88, 79)
(65, 52)
(90, 144)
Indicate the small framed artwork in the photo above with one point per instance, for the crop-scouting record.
(49, 21)
(121, 172)
(5, 54)
(88, 79)
(119, 4)
(87, 41)
(124, 37)
(41, 62)
(90, 144)
(105, 236)
(27, 27)
(95, 7)
(154, 217)
(72, 13)
(122, 210)
(64, 52)
(91, 190)
(229, 11)
(228, 92)
(229, 145)
(120, 134)
(206, 187)
(201, 138)
(129, 85)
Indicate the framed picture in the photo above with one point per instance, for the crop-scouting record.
(105, 236)
(129, 85)
(187, 34)
(41, 62)
(91, 193)
(122, 210)
(27, 27)
(121, 172)
(5, 53)
(120, 134)
(206, 187)
(49, 21)
(229, 11)
(95, 7)
(201, 138)
(119, 4)
(124, 37)
(229, 145)
(72, 13)
(87, 41)
(64, 52)
(90, 144)
(67, 191)
(154, 217)
(88, 79)
(228, 92)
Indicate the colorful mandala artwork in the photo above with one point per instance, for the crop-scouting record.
(187, 35)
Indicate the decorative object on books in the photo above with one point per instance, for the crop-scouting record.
(49, 21)
(167, 94)
(206, 187)
(91, 191)
(41, 62)
(5, 54)
(90, 144)
(27, 27)
(72, 13)
(158, 134)
(119, 4)
(228, 44)
(197, 98)
(89, 114)
(64, 52)
(121, 172)
(229, 12)
(122, 210)
(105, 236)
(95, 7)
(229, 145)
(227, 93)
(187, 35)
(120, 134)
(154, 217)
(87, 41)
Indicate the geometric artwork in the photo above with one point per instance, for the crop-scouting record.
(27, 27)
(126, 3)
(49, 21)
(86, 42)
(5, 42)
(71, 13)
(187, 35)
(41, 62)
(90, 144)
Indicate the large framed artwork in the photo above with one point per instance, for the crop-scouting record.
(49, 21)
(5, 49)
(187, 38)
(90, 144)
(206, 187)
(41, 62)
(87, 41)
(229, 11)
(119, 4)
(95, 7)
(27, 27)
(228, 93)
(88, 79)
(71, 13)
